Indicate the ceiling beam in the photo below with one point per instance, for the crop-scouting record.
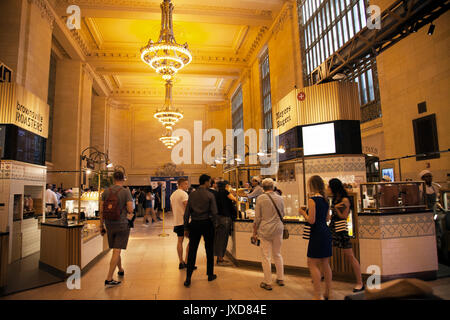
(218, 15)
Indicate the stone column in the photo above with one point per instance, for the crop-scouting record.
(99, 123)
(72, 119)
(25, 42)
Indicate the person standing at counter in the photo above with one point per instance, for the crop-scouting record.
(202, 210)
(50, 198)
(431, 189)
(268, 227)
(226, 210)
(338, 226)
(257, 190)
(319, 246)
(117, 202)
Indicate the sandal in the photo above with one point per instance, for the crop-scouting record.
(265, 286)
(280, 283)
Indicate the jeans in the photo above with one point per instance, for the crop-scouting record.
(221, 237)
(271, 247)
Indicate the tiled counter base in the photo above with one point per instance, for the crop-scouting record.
(402, 245)
(293, 249)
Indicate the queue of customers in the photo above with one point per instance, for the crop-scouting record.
(209, 212)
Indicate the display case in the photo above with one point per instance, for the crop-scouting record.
(89, 204)
(392, 196)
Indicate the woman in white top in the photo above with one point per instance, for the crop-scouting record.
(268, 227)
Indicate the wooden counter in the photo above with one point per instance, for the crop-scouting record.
(64, 245)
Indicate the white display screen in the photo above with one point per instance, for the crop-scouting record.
(319, 139)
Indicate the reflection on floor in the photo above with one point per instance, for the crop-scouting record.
(25, 274)
(151, 272)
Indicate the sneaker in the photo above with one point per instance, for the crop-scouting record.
(187, 283)
(121, 273)
(212, 278)
(159, 219)
(112, 283)
(182, 265)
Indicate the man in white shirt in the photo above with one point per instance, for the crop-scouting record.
(178, 202)
(50, 198)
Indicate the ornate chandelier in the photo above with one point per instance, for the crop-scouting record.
(168, 140)
(167, 115)
(166, 56)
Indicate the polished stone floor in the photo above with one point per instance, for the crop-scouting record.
(151, 272)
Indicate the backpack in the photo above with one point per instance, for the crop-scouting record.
(111, 208)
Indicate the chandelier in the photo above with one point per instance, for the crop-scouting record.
(166, 56)
(167, 115)
(168, 140)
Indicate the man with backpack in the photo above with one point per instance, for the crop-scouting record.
(116, 211)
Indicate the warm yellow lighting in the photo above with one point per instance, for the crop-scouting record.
(166, 56)
(88, 171)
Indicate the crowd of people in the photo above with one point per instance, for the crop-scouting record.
(209, 210)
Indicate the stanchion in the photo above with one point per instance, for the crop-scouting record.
(163, 205)
(163, 234)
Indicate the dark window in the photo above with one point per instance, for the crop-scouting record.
(51, 104)
(426, 138)
(327, 25)
(266, 99)
(422, 107)
(237, 115)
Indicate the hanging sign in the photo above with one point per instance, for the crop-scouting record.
(20, 107)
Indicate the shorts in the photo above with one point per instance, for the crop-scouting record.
(179, 230)
(148, 204)
(118, 235)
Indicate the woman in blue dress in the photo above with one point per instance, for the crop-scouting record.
(320, 241)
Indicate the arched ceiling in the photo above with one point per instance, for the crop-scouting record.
(221, 36)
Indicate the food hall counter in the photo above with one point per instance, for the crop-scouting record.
(243, 252)
(71, 243)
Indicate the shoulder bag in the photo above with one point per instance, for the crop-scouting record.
(285, 231)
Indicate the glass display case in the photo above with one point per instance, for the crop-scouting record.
(392, 196)
(89, 204)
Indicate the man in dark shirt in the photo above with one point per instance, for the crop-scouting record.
(202, 210)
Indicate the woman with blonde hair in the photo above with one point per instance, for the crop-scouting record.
(320, 241)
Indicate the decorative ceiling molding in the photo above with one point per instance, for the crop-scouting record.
(113, 103)
(256, 42)
(285, 15)
(147, 6)
(46, 13)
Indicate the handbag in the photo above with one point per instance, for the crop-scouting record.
(285, 231)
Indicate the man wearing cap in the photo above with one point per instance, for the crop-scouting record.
(431, 189)
(432, 201)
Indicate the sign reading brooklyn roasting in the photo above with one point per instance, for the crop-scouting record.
(20, 107)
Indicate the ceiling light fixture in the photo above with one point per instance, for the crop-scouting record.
(166, 56)
(168, 140)
(168, 115)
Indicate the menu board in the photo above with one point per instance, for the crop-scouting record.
(22, 145)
